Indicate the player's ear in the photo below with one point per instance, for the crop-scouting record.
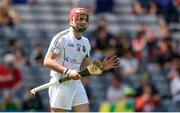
(71, 22)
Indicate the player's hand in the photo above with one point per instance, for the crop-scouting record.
(110, 63)
(73, 74)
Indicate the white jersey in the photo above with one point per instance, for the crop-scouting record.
(71, 50)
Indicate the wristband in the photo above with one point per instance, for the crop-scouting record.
(66, 72)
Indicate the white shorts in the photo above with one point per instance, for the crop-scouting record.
(67, 94)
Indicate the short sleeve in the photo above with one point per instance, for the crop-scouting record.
(56, 44)
(88, 49)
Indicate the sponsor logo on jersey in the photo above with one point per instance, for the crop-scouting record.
(74, 61)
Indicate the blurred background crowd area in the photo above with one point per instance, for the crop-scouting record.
(145, 34)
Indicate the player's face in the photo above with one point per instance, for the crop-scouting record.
(80, 22)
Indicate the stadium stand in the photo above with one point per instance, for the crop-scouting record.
(41, 20)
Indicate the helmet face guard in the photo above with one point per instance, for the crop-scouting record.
(79, 19)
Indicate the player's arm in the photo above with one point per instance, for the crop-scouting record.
(86, 61)
(50, 61)
(108, 63)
